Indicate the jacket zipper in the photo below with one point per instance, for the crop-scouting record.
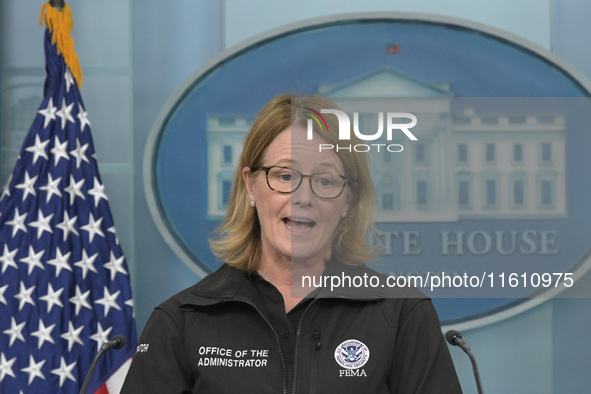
(316, 333)
(298, 335)
(317, 338)
(283, 367)
(314, 361)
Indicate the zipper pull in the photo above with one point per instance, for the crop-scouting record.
(317, 338)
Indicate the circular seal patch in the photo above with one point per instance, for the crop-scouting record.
(351, 354)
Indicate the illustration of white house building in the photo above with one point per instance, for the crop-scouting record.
(465, 164)
(225, 135)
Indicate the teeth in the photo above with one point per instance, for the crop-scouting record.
(299, 224)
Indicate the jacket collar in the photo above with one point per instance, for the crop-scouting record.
(224, 284)
(229, 283)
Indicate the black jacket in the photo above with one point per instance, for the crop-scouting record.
(219, 337)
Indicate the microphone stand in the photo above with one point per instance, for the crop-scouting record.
(117, 342)
(474, 369)
(455, 339)
(102, 351)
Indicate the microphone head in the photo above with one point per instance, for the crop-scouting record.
(451, 336)
(120, 341)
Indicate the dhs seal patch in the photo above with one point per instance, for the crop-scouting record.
(351, 354)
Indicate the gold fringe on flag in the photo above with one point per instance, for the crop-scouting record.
(61, 23)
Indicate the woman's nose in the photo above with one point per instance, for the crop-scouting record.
(303, 195)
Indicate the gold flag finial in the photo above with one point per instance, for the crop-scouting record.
(60, 23)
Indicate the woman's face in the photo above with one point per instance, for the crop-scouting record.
(298, 225)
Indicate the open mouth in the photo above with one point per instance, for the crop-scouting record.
(299, 224)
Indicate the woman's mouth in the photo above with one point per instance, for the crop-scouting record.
(299, 225)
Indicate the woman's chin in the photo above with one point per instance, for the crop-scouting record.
(305, 256)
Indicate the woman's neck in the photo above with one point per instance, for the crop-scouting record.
(286, 275)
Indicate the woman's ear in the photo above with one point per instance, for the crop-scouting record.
(348, 198)
(248, 182)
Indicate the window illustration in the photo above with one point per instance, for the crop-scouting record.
(463, 193)
(463, 153)
(546, 153)
(518, 153)
(490, 153)
(227, 154)
(421, 192)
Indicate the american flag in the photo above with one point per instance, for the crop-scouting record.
(64, 283)
(393, 49)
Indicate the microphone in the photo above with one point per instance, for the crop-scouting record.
(117, 342)
(455, 339)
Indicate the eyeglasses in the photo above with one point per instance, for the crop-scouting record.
(285, 180)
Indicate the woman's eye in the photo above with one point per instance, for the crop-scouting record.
(284, 177)
(326, 182)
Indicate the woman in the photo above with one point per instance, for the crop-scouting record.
(253, 326)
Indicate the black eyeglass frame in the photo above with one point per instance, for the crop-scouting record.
(269, 168)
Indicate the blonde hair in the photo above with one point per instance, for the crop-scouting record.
(237, 241)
